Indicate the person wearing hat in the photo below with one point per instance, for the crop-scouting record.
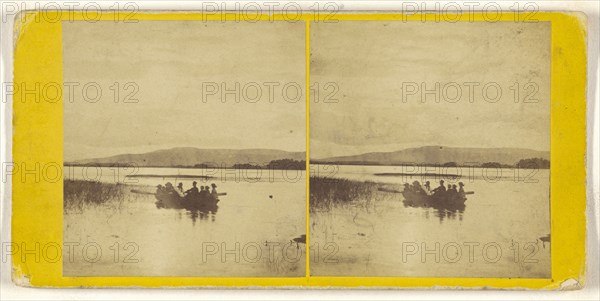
(417, 187)
(193, 190)
(170, 189)
(441, 188)
(427, 187)
(461, 190)
(180, 187)
(214, 190)
(204, 192)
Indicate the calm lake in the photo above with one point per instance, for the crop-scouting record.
(497, 234)
(248, 235)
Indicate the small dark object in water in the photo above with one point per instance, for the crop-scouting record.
(299, 240)
(361, 234)
(544, 240)
(270, 196)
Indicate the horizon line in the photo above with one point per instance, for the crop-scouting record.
(304, 151)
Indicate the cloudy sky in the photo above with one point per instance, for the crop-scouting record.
(374, 62)
(168, 62)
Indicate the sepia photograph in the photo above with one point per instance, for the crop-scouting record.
(184, 148)
(344, 148)
(430, 150)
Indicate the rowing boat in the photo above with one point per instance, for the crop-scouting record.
(173, 200)
(440, 200)
(189, 201)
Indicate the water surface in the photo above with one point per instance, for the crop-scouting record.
(248, 235)
(508, 213)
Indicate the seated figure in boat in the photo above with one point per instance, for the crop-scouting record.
(160, 189)
(416, 187)
(427, 187)
(192, 191)
(461, 190)
(203, 192)
(214, 193)
(451, 192)
(440, 189)
(160, 195)
(169, 188)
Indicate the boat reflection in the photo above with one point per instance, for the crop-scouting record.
(205, 214)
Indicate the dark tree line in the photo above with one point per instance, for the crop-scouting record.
(532, 163)
(275, 164)
(287, 164)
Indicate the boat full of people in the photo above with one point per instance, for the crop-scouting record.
(417, 195)
(196, 197)
(441, 197)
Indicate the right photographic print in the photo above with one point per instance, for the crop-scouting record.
(430, 149)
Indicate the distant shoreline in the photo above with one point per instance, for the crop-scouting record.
(312, 163)
(545, 165)
(180, 167)
(280, 164)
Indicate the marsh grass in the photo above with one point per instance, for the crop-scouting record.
(79, 194)
(326, 193)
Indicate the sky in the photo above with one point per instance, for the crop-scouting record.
(170, 65)
(372, 63)
(173, 67)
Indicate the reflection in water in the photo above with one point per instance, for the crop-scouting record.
(441, 212)
(449, 214)
(202, 214)
(194, 211)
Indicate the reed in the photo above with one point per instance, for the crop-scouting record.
(326, 193)
(80, 193)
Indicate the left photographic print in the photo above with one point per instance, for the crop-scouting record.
(184, 148)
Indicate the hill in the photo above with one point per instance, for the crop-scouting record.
(190, 156)
(441, 155)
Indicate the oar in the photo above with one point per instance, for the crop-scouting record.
(141, 192)
(152, 193)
